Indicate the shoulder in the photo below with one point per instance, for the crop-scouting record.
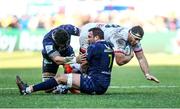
(137, 47)
(93, 47)
(66, 27)
(48, 37)
(123, 32)
(98, 45)
(71, 29)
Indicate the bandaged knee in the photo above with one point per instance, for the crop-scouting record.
(69, 80)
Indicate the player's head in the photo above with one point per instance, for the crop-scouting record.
(95, 34)
(61, 38)
(136, 33)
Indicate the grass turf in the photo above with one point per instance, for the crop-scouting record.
(130, 90)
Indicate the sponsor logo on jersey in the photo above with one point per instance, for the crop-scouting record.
(49, 48)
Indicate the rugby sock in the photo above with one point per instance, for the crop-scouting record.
(28, 90)
(69, 80)
(45, 85)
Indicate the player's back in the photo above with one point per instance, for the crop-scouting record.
(110, 31)
(100, 57)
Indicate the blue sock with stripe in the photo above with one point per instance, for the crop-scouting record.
(49, 84)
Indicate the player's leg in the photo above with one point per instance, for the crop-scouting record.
(49, 71)
(87, 84)
(25, 89)
(68, 69)
(47, 75)
(81, 82)
(71, 80)
(78, 81)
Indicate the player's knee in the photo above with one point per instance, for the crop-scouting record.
(61, 78)
(47, 75)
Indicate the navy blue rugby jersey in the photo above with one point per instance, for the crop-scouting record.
(100, 56)
(49, 45)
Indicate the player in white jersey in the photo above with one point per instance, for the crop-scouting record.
(126, 43)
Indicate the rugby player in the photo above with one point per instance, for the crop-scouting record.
(126, 43)
(99, 56)
(57, 49)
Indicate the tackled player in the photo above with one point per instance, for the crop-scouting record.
(124, 40)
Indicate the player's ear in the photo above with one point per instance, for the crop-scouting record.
(97, 37)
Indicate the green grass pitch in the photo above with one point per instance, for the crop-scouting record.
(129, 89)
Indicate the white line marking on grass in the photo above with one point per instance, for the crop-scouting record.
(115, 87)
(5, 88)
(142, 86)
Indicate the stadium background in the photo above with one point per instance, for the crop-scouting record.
(23, 24)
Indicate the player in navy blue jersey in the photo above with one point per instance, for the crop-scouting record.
(57, 50)
(100, 56)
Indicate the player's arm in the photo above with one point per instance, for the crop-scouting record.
(123, 51)
(82, 59)
(85, 57)
(144, 66)
(122, 59)
(56, 57)
(62, 60)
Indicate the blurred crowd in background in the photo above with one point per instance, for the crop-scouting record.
(79, 12)
(23, 23)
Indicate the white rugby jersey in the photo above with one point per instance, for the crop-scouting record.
(113, 33)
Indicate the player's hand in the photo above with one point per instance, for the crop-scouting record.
(78, 59)
(83, 57)
(70, 60)
(151, 78)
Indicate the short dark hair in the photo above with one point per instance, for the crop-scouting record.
(137, 31)
(61, 37)
(97, 32)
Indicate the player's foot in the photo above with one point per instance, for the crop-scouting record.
(61, 89)
(74, 91)
(21, 85)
